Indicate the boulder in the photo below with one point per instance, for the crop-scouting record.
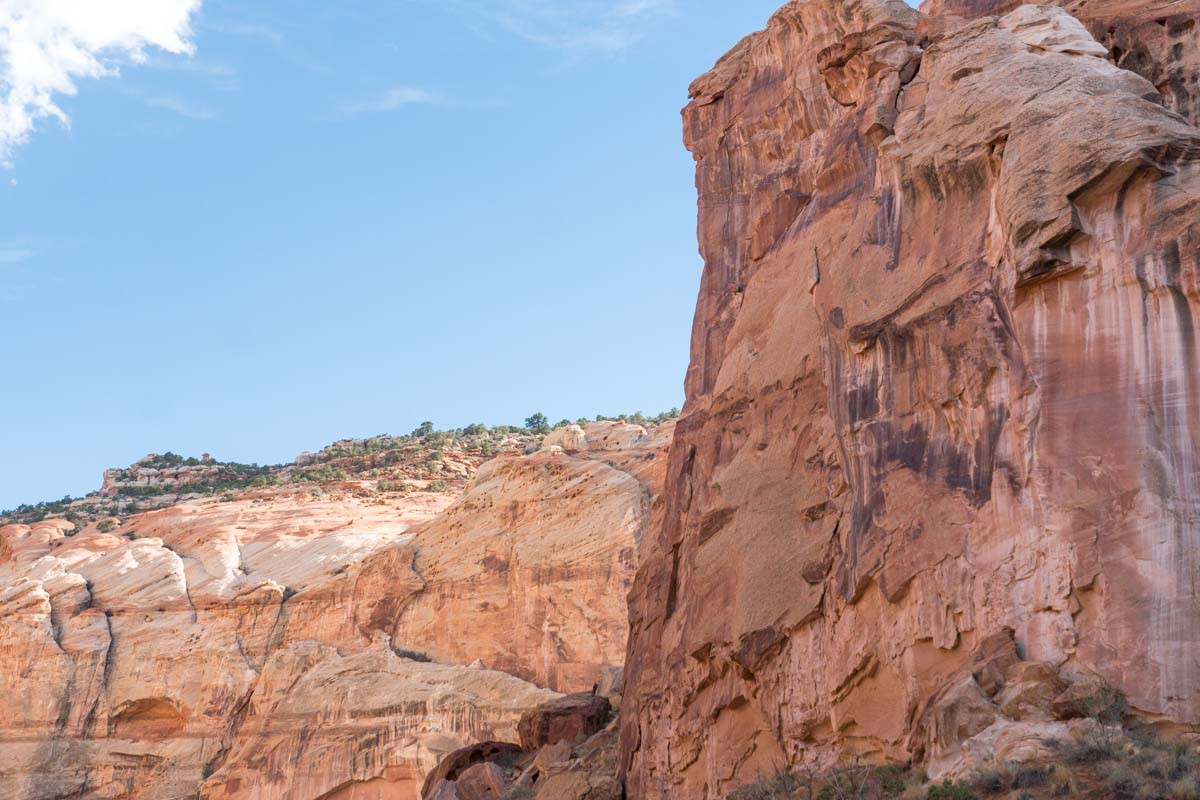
(486, 780)
(456, 764)
(566, 719)
(1029, 691)
(570, 438)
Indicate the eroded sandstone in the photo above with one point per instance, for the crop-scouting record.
(300, 644)
(941, 391)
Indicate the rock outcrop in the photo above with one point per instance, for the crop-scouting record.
(291, 644)
(1157, 39)
(568, 752)
(939, 452)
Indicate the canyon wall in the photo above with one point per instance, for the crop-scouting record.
(942, 420)
(292, 643)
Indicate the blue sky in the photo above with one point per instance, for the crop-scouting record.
(341, 219)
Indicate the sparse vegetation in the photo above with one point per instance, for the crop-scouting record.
(1005, 778)
(950, 790)
(412, 655)
(393, 462)
(537, 423)
(1139, 766)
(782, 785)
(855, 782)
(322, 474)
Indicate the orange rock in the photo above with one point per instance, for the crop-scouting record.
(567, 719)
(455, 764)
(286, 645)
(942, 385)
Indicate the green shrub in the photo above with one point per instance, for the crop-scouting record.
(893, 779)
(990, 781)
(322, 474)
(1123, 783)
(782, 785)
(1182, 761)
(412, 655)
(950, 790)
(1030, 777)
(437, 486)
(1090, 752)
(537, 423)
(108, 525)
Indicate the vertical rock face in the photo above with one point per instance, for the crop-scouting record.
(529, 569)
(942, 408)
(286, 646)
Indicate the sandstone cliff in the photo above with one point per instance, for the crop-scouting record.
(942, 423)
(299, 643)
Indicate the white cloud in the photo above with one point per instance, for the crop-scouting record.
(248, 29)
(395, 98)
(47, 45)
(170, 102)
(218, 74)
(598, 25)
(14, 255)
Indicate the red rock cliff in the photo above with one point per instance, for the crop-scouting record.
(292, 644)
(943, 402)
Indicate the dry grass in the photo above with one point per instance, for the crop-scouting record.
(1104, 763)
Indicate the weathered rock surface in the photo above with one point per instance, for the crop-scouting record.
(568, 752)
(942, 393)
(293, 645)
(566, 719)
(1157, 39)
(529, 570)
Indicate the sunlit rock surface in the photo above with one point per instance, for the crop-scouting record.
(292, 644)
(943, 408)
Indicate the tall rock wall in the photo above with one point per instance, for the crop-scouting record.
(943, 411)
(292, 645)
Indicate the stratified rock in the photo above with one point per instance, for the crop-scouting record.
(942, 386)
(319, 721)
(529, 569)
(286, 645)
(566, 719)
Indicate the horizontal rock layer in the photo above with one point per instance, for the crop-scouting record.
(298, 645)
